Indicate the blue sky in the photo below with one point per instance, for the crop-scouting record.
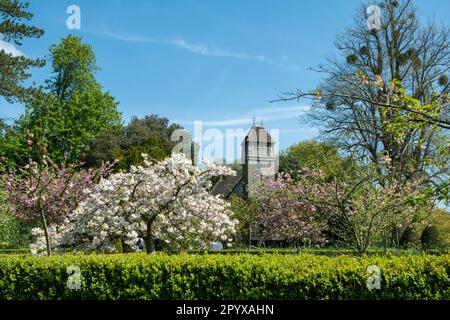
(217, 61)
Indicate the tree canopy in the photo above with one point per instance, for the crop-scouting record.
(313, 155)
(71, 110)
(14, 66)
(150, 135)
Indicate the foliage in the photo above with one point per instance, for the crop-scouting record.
(14, 251)
(12, 147)
(441, 219)
(14, 234)
(244, 211)
(74, 109)
(225, 277)
(14, 66)
(430, 238)
(326, 250)
(311, 154)
(403, 115)
(9, 228)
(408, 238)
(166, 200)
(150, 135)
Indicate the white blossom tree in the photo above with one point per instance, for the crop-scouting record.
(167, 200)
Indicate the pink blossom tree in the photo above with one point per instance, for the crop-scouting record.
(283, 214)
(360, 206)
(45, 192)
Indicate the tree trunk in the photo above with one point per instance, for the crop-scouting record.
(250, 235)
(397, 237)
(361, 247)
(385, 242)
(149, 246)
(122, 245)
(44, 226)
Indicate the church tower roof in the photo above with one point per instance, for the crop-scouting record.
(258, 133)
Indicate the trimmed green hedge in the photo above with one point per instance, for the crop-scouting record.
(285, 251)
(319, 251)
(15, 251)
(268, 276)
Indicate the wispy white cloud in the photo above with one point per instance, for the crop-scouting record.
(9, 48)
(200, 49)
(261, 114)
(207, 51)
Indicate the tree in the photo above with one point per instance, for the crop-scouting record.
(12, 148)
(13, 64)
(166, 200)
(311, 154)
(72, 110)
(47, 192)
(358, 207)
(358, 103)
(284, 216)
(150, 135)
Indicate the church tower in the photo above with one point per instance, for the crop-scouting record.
(259, 158)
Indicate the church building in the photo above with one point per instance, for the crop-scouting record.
(258, 161)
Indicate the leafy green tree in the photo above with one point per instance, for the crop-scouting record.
(150, 135)
(311, 154)
(73, 109)
(14, 65)
(11, 147)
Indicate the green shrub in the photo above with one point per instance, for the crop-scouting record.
(431, 238)
(331, 252)
(13, 233)
(9, 227)
(244, 276)
(15, 251)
